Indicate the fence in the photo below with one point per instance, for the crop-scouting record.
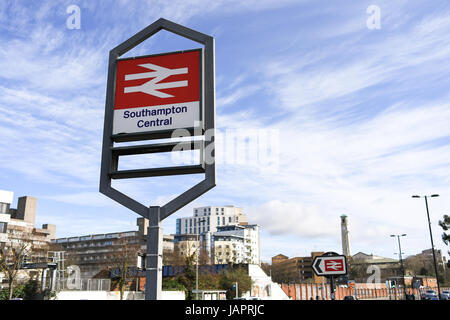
(311, 291)
(84, 284)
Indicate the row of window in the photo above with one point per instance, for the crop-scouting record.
(207, 211)
(193, 222)
(92, 244)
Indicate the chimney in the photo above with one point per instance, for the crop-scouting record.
(345, 238)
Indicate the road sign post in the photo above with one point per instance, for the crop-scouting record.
(329, 265)
(148, 98)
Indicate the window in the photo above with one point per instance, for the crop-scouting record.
(4, 207)
(3, 227)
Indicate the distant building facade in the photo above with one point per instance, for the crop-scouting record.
(207, 219)
(221, 233)
(17, 226)
(295, 270)
(100, 252)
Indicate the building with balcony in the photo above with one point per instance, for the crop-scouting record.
(218, 235)
(106, 251)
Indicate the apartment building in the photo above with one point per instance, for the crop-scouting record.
(207, 219)
(236, 244)
(221, 233)
(17, 226)
(106, 251)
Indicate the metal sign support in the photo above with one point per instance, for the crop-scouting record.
(153, 274)
(111, 154)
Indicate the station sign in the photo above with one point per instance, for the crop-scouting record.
(158, 92)
(330, 265)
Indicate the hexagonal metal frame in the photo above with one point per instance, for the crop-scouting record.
(108, 165)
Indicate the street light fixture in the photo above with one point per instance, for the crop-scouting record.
(431, 237)
(401, 260)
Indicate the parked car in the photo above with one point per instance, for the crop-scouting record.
(431, 295)
(350, 298)
(445, 295)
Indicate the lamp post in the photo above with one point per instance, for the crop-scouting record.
(401, 260)
(431, 237)
(196, 264)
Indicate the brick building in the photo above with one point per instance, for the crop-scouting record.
(297, 269)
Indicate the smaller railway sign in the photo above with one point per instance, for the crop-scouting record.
(330, 265)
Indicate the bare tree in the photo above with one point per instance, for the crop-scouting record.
(124, 257)
(11, 259)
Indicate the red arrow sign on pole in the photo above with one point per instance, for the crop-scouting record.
(330, 265)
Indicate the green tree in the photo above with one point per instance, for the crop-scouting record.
(187, 278)
(445, 224)
(229, 279)
(172, 284)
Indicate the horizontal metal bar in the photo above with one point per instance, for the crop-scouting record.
(156, 172)
(163, 134)
(155, 148)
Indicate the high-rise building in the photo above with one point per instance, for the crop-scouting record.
(345, 236)
(207, 219)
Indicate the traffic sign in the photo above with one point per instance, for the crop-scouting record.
(330, 265)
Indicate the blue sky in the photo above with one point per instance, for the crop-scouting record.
(361, 115)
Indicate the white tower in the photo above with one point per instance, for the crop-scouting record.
(345, 239)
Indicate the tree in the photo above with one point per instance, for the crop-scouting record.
(445, 224)
(125, 256)
(11, 259)
(267, 268)
(229, 279)
(187, 279)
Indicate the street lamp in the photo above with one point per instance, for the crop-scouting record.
(196, 265)
(401, 260)
(431, 237)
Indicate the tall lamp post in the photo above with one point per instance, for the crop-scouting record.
(401, 260)
(431, 237)
(198, 252)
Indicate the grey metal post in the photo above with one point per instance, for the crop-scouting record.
(401, 265)
(153, 273)
(432, 249)
(53, 280)
(43, 279)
